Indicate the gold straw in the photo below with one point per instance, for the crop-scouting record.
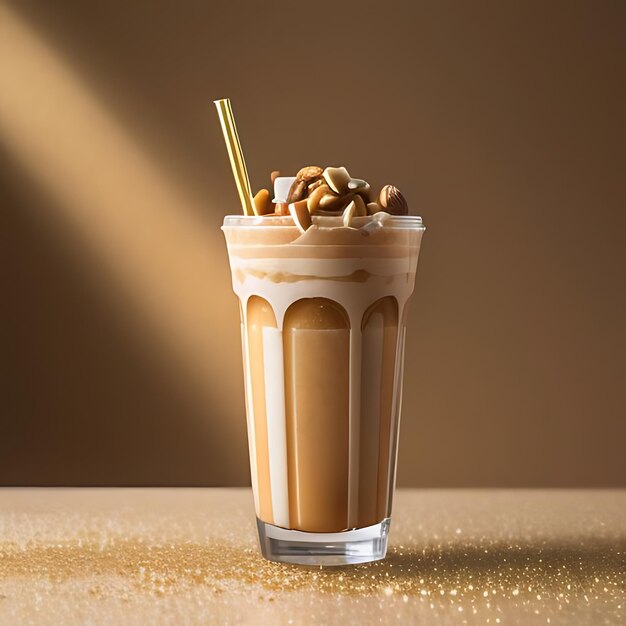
(237, 162)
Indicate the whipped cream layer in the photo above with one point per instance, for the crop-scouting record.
(344, 264)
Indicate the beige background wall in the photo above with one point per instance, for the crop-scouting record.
(503, 124)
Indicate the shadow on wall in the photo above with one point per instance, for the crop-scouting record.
(94, 398)
(113, 342)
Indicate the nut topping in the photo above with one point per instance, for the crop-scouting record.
(392, 201)
(262, 203)
(301, 215)
(349, 213)
(306, 176)
(315, 197)
(361, 187)
(337, 179)
(356, 208)
(315, 184)
(297, 191)
(329, 191)
(333, 202)
(361, 209)
(309, 173)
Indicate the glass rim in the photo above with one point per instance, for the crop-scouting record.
(281, 221)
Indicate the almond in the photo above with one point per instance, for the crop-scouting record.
(274, 175)
(361, 187)
(301, 215)
(297, 191)
(306, 176)
(315, 197)
(262, 203)
(373, 207)
(337, 179)
(392, 201)
(361, 209)
(349, 213)
(315, 184)
(333, 202)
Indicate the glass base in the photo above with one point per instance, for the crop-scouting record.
(360, 545)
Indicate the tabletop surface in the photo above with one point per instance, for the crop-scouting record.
(189, 556)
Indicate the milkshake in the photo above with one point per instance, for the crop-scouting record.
(324, 272)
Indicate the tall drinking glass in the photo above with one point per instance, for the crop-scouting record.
(323, 319)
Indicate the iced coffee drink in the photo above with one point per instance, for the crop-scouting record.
(324, 272)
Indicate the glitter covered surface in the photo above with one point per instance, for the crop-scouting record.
(179, 556)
